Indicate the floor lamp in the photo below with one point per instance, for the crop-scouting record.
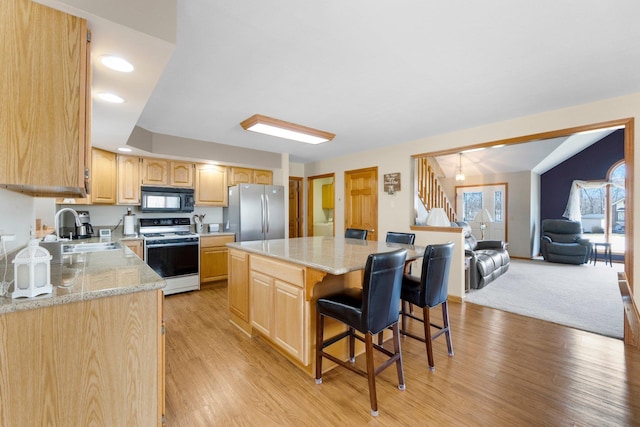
(483, 217)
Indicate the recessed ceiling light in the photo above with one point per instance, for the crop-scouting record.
(282, 129)
(125, 149)
(116, 63)
(110, 97)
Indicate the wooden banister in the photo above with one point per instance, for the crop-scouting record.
(632, 317)
(430, 190)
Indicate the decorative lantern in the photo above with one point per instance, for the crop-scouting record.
(32, 271)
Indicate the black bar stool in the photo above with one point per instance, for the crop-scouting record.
(369, 310)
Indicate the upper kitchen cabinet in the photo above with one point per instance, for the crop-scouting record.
(327, 196)
(45, 92)
(163, 172)
(250, 176)
(211, 185)
(103, 177)
(128, 180)
(181, 174)
(155, 171)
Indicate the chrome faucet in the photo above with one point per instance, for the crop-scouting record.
(56, 219)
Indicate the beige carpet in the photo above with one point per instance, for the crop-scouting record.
(585, 296)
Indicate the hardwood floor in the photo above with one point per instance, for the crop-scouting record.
(507, 370)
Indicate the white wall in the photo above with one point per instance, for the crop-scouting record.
(16, 217)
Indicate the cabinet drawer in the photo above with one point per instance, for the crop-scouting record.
(279, 270)
(212, 241)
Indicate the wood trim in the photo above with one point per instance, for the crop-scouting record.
(310, 180)
(531, 137)
(632, 316)
(505, 202)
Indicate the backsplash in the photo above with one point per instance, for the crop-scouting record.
(17, 217)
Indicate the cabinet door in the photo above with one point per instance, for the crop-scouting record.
(288, 318)
(128, 180)
(103, 182)
(213, 264)
(262, 177)
(155, 172)
(211, 185)
(238, 285)
(327, 196)
(181, 174)
(261, 303)
(241, 176)
(44, 118)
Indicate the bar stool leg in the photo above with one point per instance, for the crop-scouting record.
(319, 339)
(371, 373)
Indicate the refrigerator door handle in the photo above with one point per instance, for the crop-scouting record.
(262, 213)
(267, 216)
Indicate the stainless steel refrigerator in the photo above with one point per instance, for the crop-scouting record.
(255, 212)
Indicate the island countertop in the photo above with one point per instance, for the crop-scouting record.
(333, 255)
(90, 275)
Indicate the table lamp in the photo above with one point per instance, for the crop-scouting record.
(483, 217)
(438, 218)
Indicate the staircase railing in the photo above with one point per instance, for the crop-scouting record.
(430, 191)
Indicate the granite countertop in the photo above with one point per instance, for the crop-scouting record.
(85, 276)
(334, 255)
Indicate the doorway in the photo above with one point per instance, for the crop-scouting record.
(321, 205)
(361, 200)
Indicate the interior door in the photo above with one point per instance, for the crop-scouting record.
(361, 200)
(295, 207)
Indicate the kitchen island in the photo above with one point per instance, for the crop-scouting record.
(90, 353)
(273, 286)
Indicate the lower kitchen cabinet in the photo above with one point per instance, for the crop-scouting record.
(136, 246)
(278, 304)
(213, 258)
(238, 288)
(93, 362)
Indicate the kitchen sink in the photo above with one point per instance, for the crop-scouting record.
(75, 248)
(60, 249)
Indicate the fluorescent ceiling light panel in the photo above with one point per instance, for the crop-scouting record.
(280, 128)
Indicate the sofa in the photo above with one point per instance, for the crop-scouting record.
(489, 259)
(562, 242)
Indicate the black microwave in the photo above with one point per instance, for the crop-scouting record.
(166, 199)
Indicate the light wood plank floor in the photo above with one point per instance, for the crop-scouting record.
(508, 370)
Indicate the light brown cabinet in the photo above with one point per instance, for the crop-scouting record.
(211, 185)
(45, 92)
(128, 180)
(327, 196)
(136, 245)
(181, 174)
(213, 258)
(162, 172)
(72, 364)
(238, 288)
(155, 172)
(278, 304)
(250, 176)
(103, 180)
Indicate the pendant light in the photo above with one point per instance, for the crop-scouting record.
(460, 175)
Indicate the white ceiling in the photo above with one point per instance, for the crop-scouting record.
(373, 72)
